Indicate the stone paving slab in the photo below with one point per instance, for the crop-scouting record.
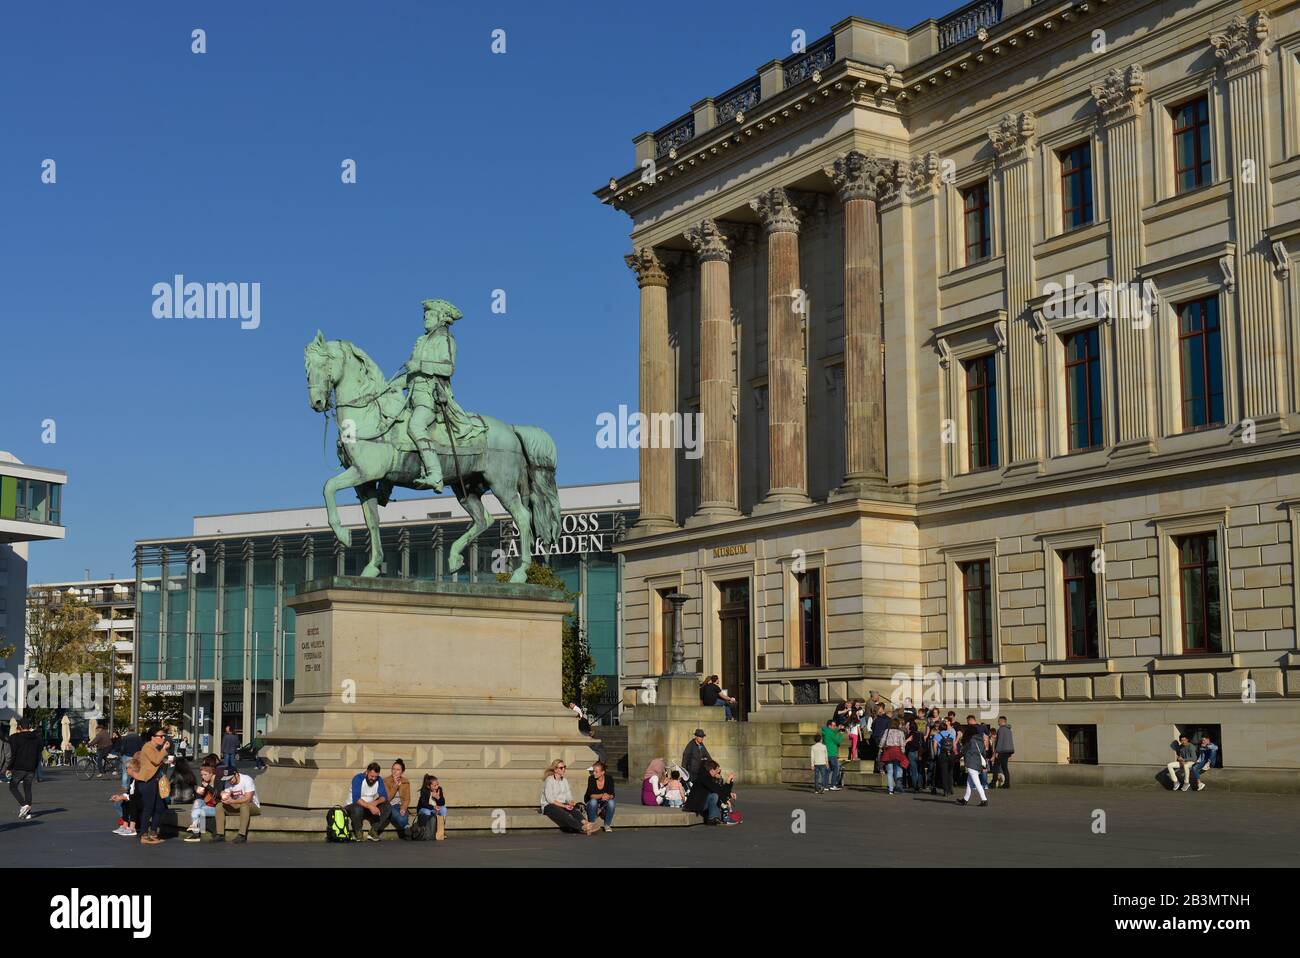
(1032, 826)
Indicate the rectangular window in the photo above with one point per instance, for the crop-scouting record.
(667, 629)
(1200, 360)
(1082, 741)
(1076, 186)
(975, 214)
(1083, 389)
(977, 602)
(982, 412)
(1198, 581)
(1191, 144)
(810, 617)
(1080, 583)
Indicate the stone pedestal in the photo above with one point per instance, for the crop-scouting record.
(460, 680)
(750, 749)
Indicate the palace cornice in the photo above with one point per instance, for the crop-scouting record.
(843, 83)
(853, 83)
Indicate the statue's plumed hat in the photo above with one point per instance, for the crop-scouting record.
(444, 308)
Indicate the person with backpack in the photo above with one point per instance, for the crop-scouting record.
(370, 803)
(944, 745)
(431, 810)
(1004, 746)
(892, 756)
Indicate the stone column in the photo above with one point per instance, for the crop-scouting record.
(657, 399)
(1120, 98)
(1012, 140)
(786, 370)
(862, 181)
(1243, 50)
(718, 466)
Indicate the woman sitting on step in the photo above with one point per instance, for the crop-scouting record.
(558, 805)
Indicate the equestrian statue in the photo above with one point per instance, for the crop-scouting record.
(425, 440)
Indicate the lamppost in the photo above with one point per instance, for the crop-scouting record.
(677, 600)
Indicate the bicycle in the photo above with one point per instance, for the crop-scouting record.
(87, 768)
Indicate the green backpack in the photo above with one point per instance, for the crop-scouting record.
(338, 827)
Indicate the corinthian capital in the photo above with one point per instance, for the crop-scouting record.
(1245, 44)
(1013, 136)
(858, 176)
(1121, 93)
(776, 211)
(710, 241)
(648, 267)
(921, 176)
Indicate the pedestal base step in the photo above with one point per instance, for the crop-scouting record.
(294, 825)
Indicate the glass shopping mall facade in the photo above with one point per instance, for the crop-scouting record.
(213, 628)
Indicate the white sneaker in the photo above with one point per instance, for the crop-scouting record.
(25, 811)
(1187, 787)
(123, 830)
(1200, 786)
(835, 788)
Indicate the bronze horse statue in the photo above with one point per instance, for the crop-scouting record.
(515, 463)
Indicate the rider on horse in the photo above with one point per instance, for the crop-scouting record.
(427, 377)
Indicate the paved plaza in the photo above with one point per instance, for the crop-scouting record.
(1030, 826)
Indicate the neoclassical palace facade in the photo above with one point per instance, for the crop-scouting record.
(991, 326)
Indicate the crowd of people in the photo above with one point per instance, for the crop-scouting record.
(914, 749)
(696, 784)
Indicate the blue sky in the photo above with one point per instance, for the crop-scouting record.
(475, 172)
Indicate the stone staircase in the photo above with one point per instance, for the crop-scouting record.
(613, 742)
(796, 741)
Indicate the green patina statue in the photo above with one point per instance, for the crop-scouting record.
(425, 440)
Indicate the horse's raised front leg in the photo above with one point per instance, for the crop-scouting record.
(346, 479)
(370, 509)
(481, 523)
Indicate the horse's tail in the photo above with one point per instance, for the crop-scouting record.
(543, 496)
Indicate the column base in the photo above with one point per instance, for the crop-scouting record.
(650, 526)
(782, 500)
(865, 487)
(711, 513)
(1134, 449)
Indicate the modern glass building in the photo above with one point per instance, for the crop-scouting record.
(212, 626)
(30, 511)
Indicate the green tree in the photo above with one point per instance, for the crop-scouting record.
(579, 685)
(60, 639)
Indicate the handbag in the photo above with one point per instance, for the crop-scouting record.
(164, 786)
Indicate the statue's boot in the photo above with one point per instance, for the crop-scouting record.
(431, 478)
